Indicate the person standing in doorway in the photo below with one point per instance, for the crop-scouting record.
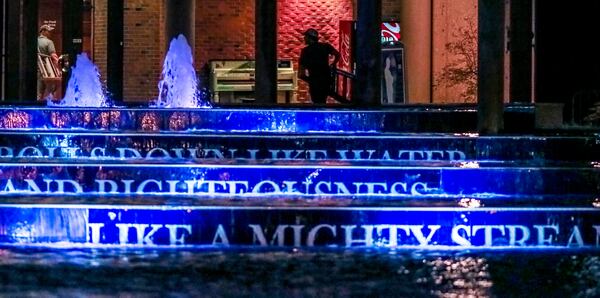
(389, 77)
(46, 49)
(316, 69)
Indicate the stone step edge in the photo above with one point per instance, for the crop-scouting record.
(276, 201)
(304, 164)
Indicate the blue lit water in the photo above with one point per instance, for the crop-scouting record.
(178, 87)
(504, 195)
(34, 272)
(84, 88)
(34, 263)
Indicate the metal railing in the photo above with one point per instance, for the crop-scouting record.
(343, 82)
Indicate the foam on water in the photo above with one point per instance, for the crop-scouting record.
(178, 87)
(84, 88)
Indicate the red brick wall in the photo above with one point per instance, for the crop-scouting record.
(142, 50)
(99, 42)
(224, 30)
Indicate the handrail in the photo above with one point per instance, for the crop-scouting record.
(344, 73)
(343, 82)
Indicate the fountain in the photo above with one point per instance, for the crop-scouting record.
(178, 87)
(84, 88)
(174, 174)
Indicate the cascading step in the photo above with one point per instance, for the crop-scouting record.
(406, 119)
(322, 146)
(103, 177)
(266, 226)
(278, 201)
(316, 179)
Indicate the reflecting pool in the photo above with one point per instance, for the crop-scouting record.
(297, 273)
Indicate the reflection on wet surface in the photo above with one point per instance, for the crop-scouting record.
(297, 273)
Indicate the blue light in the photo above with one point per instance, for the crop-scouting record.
(344, 227)
(178, 87)
(194, 120)
(84, 88)
(189, 177)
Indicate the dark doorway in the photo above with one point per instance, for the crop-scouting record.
(568, 56)
(19, 51)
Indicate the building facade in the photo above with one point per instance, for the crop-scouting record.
(126, 39)
(225, 30)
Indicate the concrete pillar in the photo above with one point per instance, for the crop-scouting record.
(30, 28)
(491, 67)
(265, 48)
(114, 49)
(180, 18)
(520, 46)
(416, 21)
(20, 62)
(367, 89)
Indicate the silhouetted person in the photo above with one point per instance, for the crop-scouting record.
(316, 69)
